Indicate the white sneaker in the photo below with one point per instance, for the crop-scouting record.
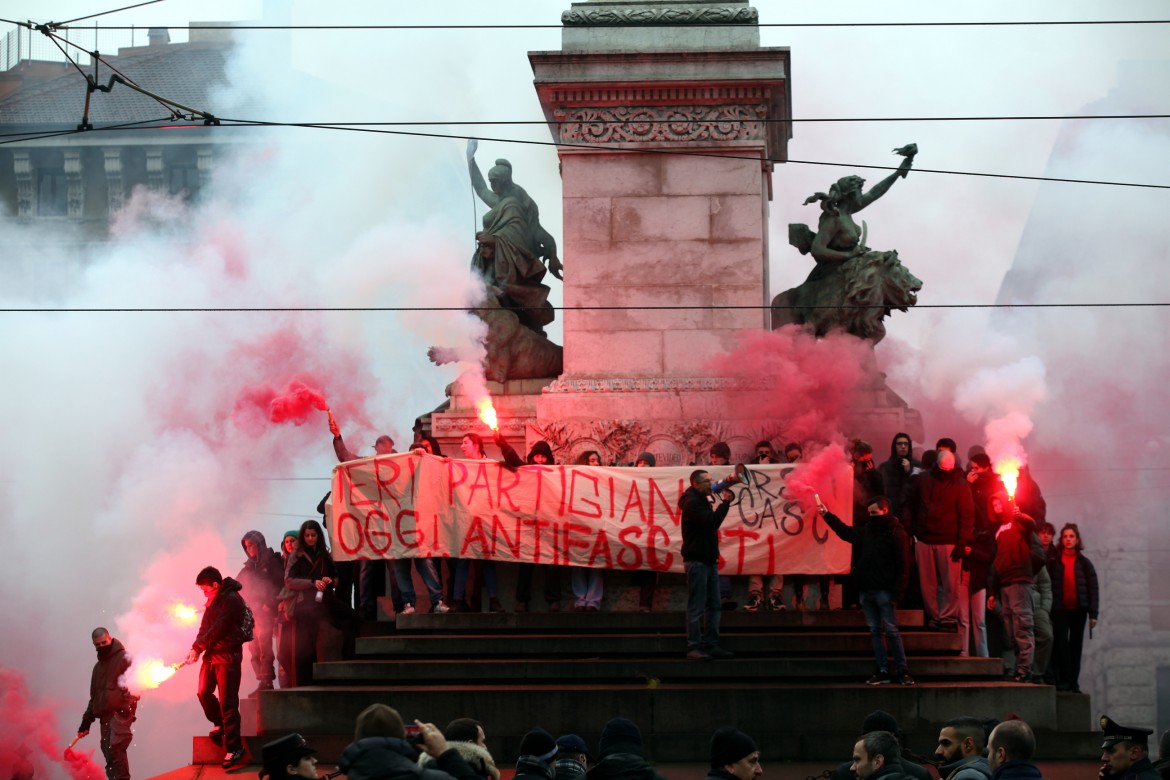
(441, 608)
(408, 609)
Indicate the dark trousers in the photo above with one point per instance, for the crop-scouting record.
(1068, 627)
(305, 629)
(552, 582)
(223, 711)
(260, 648)
(116, 738)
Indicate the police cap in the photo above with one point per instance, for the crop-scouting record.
(1115, 733)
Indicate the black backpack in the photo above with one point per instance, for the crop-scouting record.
(247, 626)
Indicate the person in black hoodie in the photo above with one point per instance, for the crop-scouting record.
(111, 704)
(380, 750)
(700, 552)
(220, 641)
(540, 455)
(261, 578)
(883, 552)
(896, 472)
(310, 572)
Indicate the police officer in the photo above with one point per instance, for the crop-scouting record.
(1125, 752)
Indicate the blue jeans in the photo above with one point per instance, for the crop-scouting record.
(426, 572)
(463, 568)
(702, 601)
(878, 606)
(587, 586)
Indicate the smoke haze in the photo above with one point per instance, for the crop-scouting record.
(137, 454)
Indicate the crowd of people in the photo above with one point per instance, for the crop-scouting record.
(387, 748)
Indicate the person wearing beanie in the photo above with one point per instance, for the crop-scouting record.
(734, 755)
(620, 755)
(381, 750)
(538, 750)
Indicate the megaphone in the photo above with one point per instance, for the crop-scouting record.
(741, 476)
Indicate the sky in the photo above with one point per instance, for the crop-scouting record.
(135, 453)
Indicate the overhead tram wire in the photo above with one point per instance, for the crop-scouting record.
(64, 25)
(424, 309)
(557, 26)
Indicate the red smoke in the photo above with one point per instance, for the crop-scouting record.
(809, 380)
(818, 470)
(29, 743)
(294, 404)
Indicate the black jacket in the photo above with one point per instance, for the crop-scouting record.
(106, 696)
(623, 766)
(388, 758)
(940, 507)
(220, 636)
(700, 526)
(883, 561)
(1086, 578)
(261, 577)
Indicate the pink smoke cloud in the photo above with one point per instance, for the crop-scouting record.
(29, 743)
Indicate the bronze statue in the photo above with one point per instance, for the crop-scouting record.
(852, 287)
(513, 247)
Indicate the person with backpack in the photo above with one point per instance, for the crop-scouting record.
(1013, 575)
(226, 627)
(261, 578)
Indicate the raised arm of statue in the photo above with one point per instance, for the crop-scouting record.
(478, 183)
(908, 151)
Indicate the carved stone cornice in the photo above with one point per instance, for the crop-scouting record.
(642, 15)
(655, 384)
(620, 124)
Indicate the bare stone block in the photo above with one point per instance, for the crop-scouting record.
(611, 174)
(687, 352)
(736, 217)
(586, 219)
(738, 295)
(687, 175)
(634, 318)
(674, 218)
(614, 353)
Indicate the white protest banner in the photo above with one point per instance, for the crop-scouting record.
(414, 505)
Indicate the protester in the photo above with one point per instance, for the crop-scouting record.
(110, 704)
(1009, 752)
(380, 750)
(572, 762)
(466, 735)
(700, 552)
(1014, 581)
(1075, 601)
(469, 573)
(646, 579)
(734, 756)
(960, 749)
(588, 582)
(225, 628)
(538, 751)
(875, 756)
(261, 578)
(620, 754)
(284, 629)
(309, 575)
(540, 455)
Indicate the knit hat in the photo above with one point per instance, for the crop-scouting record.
(648, 457)
(879, 720)
(294, 533)
(539, 744)
(728, 745)
(620, 736)
(378, 720)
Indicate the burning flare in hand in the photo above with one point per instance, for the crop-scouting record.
(1009, 472)
(153, 672)
(487, 413)
(183, 614)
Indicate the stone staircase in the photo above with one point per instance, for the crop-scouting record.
(796, 684)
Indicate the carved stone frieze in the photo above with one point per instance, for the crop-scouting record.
(660, 16)
(655, 384)
(612, 124)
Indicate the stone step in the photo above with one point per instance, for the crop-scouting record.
(814, 721)
(581, 622)
(670, 643)
(550, 670)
